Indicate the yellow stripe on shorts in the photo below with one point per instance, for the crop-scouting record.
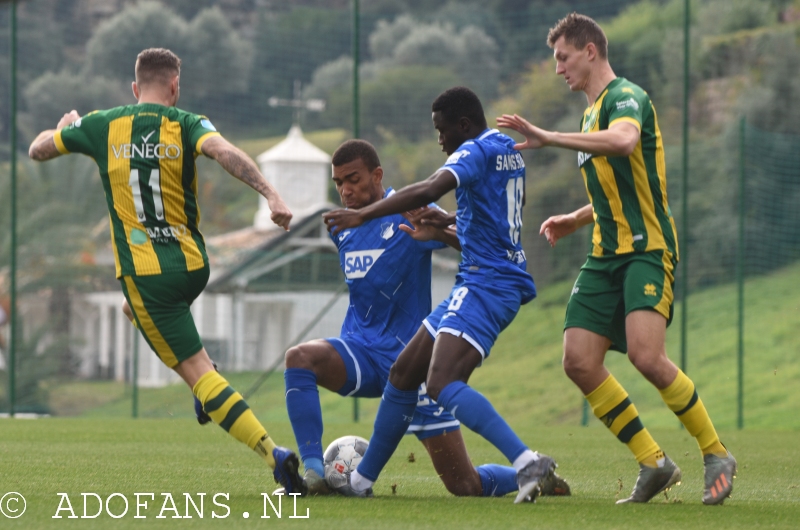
(148, 327)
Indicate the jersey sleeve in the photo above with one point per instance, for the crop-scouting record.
(82, 135)
(467, 164)
(626, 104)
(200, 130)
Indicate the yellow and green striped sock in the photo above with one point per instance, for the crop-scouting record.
(611, 405)
(230, 411)
(681, 398)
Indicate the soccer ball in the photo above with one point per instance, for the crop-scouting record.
(341, 458)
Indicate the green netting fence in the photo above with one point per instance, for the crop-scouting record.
(258, 68)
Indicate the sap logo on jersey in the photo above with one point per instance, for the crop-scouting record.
(357, 264)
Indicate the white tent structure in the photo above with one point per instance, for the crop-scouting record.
(300, 172)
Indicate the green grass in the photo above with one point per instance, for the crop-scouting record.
(165, 451)
(44, 457)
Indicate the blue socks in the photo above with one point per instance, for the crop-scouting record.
(474, 411)
(394, 414)
(496, 480)
(305, 413)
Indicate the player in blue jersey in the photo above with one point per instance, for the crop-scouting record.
(489, 178)
(387, 266)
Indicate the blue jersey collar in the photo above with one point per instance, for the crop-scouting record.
(488, 132)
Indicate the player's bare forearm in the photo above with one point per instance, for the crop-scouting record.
(43, 146)
(427, 225)
(238, 164)
(449, 237)
(411, 197)
(619, 140)
(436, 217)
(559, 226)
(584, 216)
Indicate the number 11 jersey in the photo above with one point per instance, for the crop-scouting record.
(146, 156)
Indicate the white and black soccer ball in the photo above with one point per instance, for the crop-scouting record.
(341, 458)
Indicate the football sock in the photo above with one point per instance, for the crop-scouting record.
(394, 414)
(474, 411)
(359, 483)
(681, 398)
(230, 411)
(611, 405)
(497, 480)
(305, 413)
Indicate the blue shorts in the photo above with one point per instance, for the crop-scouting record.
(367, 375)
(478, 309)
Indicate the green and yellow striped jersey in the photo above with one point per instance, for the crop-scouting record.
(628, 193)
(146, 156)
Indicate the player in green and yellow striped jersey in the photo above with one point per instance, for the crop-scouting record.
(623, 296)
(146, 156)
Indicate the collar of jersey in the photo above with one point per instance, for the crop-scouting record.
(488, 132)
(389, 192)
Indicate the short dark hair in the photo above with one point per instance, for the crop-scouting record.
(353, 150)
(579, 30)
(459, 102)
(156, 64)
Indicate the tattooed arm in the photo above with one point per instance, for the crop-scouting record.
(44, 147)
(237, 163)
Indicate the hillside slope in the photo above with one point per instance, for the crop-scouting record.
(524, 379)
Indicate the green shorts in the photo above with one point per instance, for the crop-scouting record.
(160, 304)
(610, 287)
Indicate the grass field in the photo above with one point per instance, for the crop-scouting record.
(103, 452)
(40, 458)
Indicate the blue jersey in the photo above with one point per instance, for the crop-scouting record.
(389, 277)
(491, 183)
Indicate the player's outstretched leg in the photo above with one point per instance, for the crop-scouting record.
(473, 410)
(611, 404)
(200, 414)
(394, 414)
(498, 481)
(230, 411)
(720, 466)
(305, 414)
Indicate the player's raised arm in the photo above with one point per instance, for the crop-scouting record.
(44, 146)
(411, 197)
(619, 140)
(237, 163)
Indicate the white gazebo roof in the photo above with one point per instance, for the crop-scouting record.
(295, 148)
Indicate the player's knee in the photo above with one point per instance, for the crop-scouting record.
(401, 379)
(652, 365)
(575, 366)
(296, 357)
